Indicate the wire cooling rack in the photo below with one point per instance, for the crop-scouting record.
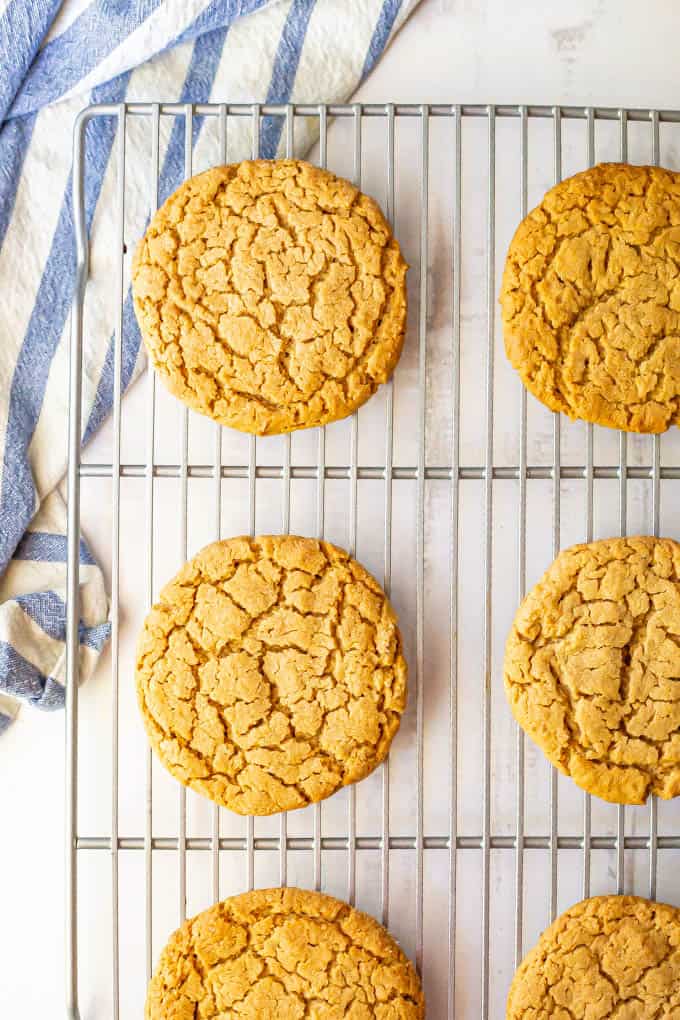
(452, 486)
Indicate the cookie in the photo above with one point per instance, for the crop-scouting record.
(270, 673)
(271, 295)
(609, 956)
(591, 298)
(284, 953)
(592, 667)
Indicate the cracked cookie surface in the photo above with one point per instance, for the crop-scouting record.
(609, 956)
(592, 667)
(271, 295)
(591, 298)
(284, 953)
(270, 673)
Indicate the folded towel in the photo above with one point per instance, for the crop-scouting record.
(56, 58)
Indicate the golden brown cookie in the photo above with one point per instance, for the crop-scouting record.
(271, 295)
(270, 673)
(591, 298)
(607, 957)
(287, 954)
(592, 667)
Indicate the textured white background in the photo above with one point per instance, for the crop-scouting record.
(604, 52)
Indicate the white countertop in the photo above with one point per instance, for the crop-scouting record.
(601, 52)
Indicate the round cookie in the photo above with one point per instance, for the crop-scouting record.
(609, 956)
(270, 673)
(592, 666)
(591, 298)
(271, 295)
(284, 953)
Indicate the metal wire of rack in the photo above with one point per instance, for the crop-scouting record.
(473, 486)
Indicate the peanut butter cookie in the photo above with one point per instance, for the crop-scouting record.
(270, 673)
(271, 295)
(592, 667)
(610, 956)
(591, 298)
(283, 953)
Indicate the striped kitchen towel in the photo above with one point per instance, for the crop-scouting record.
(55, 58)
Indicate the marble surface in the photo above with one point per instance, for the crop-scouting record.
(603, 52)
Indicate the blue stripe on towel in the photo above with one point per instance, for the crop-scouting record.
(48, 610)
(53, 696)
(45, 328)
(20, 677)
(284, 70)
(103, 400)
(43, 547)
(388, 15)
(198, 83)
(93, 637)
(15, 138)
(218, 14)
(66, 60)
(23, 26)
(96, 32)
(5, 721)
